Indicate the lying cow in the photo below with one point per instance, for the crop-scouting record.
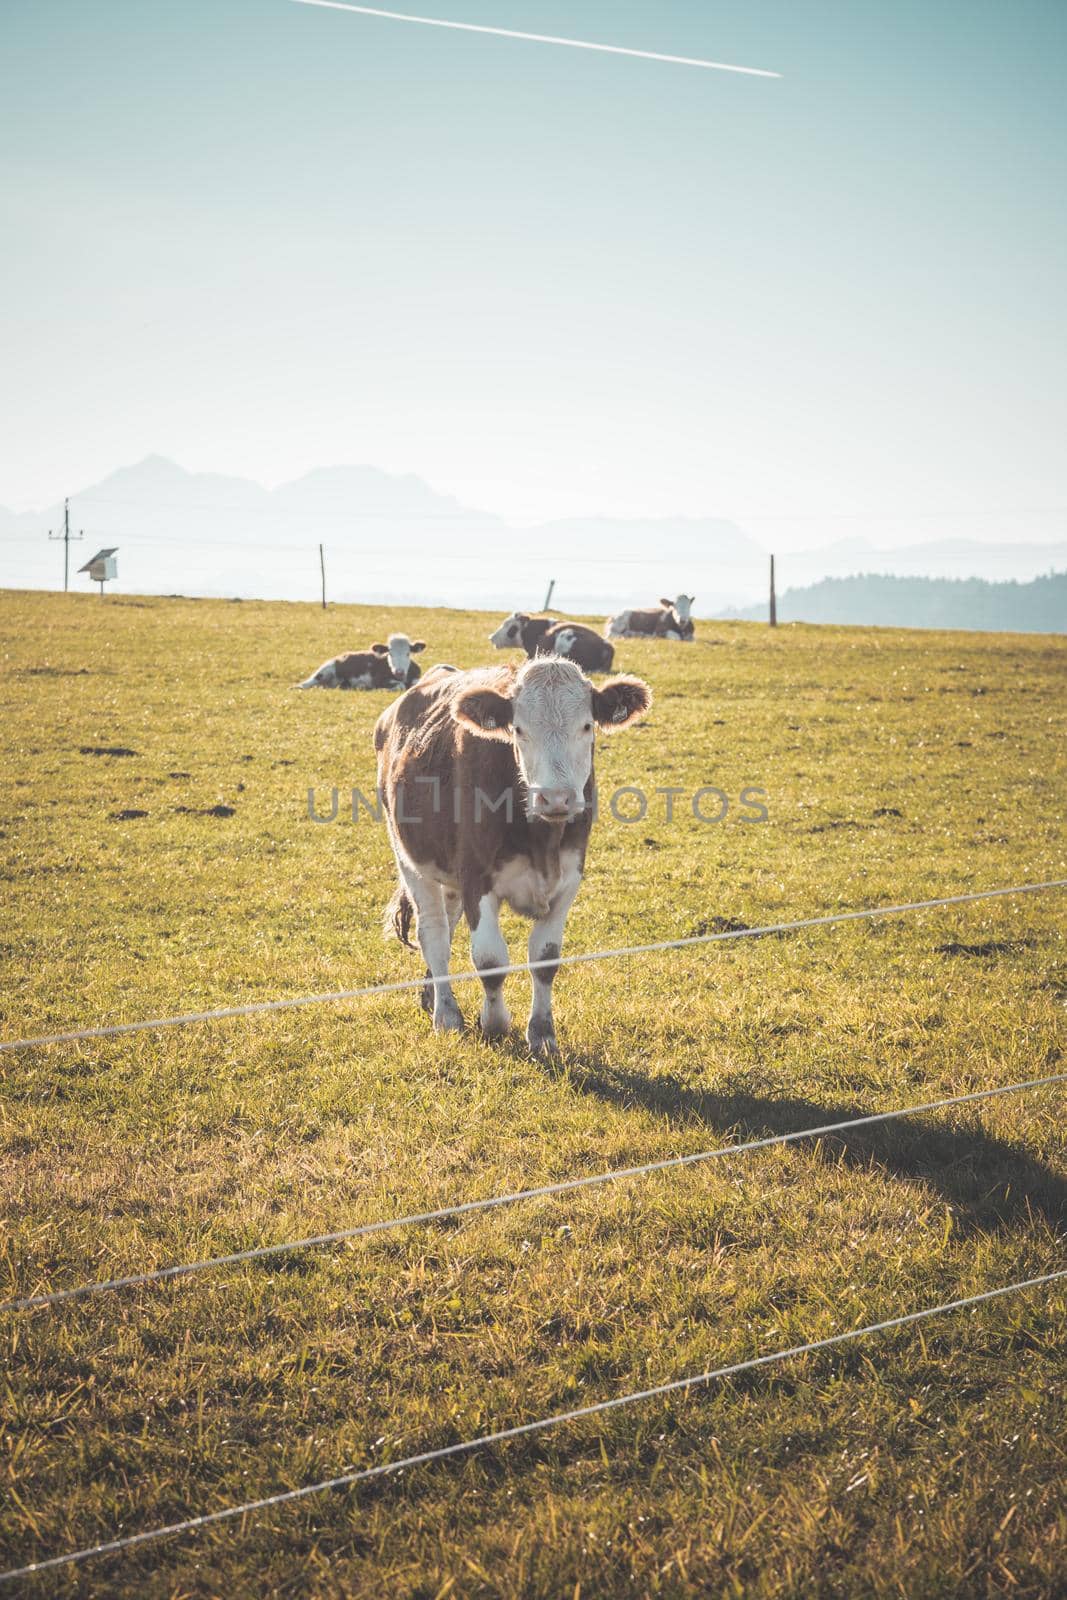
(671, 619)
(383, 666)
(540, 636)
(487, 785)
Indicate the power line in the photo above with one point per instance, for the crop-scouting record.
(472, 514)
(543, 1191)
(253, 545)
(542, 38)
(348, 1480)
(522, 560)
(258, 1007)
(66, 537)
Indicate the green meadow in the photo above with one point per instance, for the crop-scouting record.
(158, 858)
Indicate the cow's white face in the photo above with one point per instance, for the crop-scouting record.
(509, 634)
(401, 649)
(553, 730)
(550, 718)
(683, 605)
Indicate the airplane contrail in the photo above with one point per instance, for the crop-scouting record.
(540, 38)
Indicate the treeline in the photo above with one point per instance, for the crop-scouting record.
(880, 601)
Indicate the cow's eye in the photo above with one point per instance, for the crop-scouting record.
(587, 728)
(520, 733)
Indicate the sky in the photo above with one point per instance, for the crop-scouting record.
(261, 237)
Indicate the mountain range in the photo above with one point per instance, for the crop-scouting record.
(391, 538)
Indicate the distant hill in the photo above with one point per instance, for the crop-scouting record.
(391, 538)
(997, 561)
(875, 600)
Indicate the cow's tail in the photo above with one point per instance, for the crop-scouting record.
(400, 916)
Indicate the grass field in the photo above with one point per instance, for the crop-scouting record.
(897, 766)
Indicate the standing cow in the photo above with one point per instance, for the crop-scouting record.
(383, 666)
(487, 785)
(540, 636)
(671, 619)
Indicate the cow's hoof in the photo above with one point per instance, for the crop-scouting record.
(542, 1041)
(448, 1021)
(495, 1026)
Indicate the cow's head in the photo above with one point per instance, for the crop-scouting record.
(400, 650)
(681, 605)
(509, 634)
(550, 714)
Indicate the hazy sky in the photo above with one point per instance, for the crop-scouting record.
(261, 237)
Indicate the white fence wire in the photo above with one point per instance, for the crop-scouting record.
(469, 1207)
(465, 1447)
(259, 1007)
(348, 1480)
(542, 38)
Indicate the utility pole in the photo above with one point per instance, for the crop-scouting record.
(322, 569)
(774, 599)
(548, 596)
(66, 537)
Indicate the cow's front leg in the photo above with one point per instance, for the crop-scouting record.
(489, 950)
(435, 941)
(546, 944)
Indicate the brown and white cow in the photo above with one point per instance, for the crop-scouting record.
(383, 666)
(487, 786)
(520, 631)
(671, 619)
(540, 636)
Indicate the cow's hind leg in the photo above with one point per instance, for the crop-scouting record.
(454, 908)
(546, 944)
(488, 949)
(435, 942)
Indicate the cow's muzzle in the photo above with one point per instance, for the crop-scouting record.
(554, 805)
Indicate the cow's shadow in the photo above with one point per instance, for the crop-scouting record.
(990, 1183)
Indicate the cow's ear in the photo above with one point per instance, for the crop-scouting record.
(484, 712)
(668, 603)
(420, 644)
(380, 649)
(620, 702)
